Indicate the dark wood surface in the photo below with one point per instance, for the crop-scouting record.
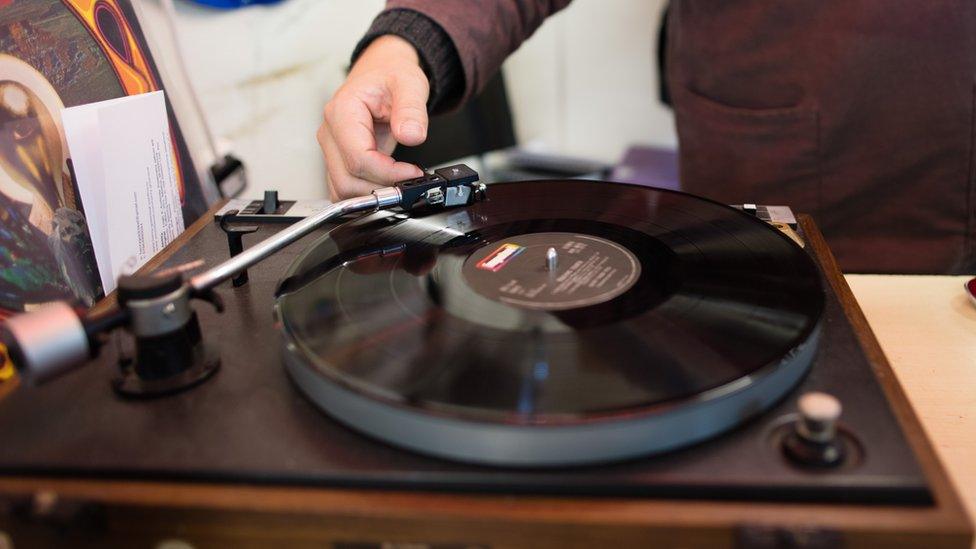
(130, 513)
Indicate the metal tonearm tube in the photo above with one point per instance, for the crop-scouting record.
(170, 353)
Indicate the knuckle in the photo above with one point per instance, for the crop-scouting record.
(356, 166)
(423, 84)
(339, 98)
(339, 191)
(328, 112)
(412, 80)
(414, 110)
(415, 74)
(338, 185)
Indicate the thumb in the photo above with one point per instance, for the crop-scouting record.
(408, 119)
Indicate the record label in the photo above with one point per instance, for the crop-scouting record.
(585, 270)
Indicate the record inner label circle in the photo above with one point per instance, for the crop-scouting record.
(584, 270)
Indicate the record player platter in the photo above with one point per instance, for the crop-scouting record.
(555, 323)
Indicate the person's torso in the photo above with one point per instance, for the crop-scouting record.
(856, 111)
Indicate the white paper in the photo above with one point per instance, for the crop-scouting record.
(126, 171)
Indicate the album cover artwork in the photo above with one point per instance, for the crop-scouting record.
(56, 54)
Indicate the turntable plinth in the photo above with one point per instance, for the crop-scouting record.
(112, 508)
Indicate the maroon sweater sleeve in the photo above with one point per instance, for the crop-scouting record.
(483, 34)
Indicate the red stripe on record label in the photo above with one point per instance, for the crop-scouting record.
(496, 260)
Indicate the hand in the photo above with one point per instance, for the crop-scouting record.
(382, 102)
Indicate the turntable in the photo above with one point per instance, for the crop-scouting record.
(557, 363)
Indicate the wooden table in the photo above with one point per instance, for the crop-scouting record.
(927, 328)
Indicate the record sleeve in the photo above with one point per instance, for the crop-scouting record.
(56, 54)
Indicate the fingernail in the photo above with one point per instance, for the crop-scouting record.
(411, 130)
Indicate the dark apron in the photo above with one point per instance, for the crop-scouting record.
(859, 112)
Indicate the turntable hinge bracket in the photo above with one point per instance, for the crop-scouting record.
(780, 217)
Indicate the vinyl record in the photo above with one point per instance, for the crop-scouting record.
(662, 319)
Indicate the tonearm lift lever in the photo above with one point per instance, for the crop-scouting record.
(170, 354)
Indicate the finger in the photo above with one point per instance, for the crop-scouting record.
(341, 183)
(408, 116)
(385, 142)
(353, 132)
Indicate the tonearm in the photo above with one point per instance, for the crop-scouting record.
(170, 353)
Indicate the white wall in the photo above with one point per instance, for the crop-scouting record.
(583, 85)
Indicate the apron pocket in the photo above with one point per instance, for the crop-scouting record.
(736, 155)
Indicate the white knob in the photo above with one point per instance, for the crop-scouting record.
(819, 407)
(819, 413)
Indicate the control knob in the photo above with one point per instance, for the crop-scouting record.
(814, 440)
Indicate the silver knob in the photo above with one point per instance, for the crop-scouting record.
(819, 413)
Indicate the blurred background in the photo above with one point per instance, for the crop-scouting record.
(584, 87)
